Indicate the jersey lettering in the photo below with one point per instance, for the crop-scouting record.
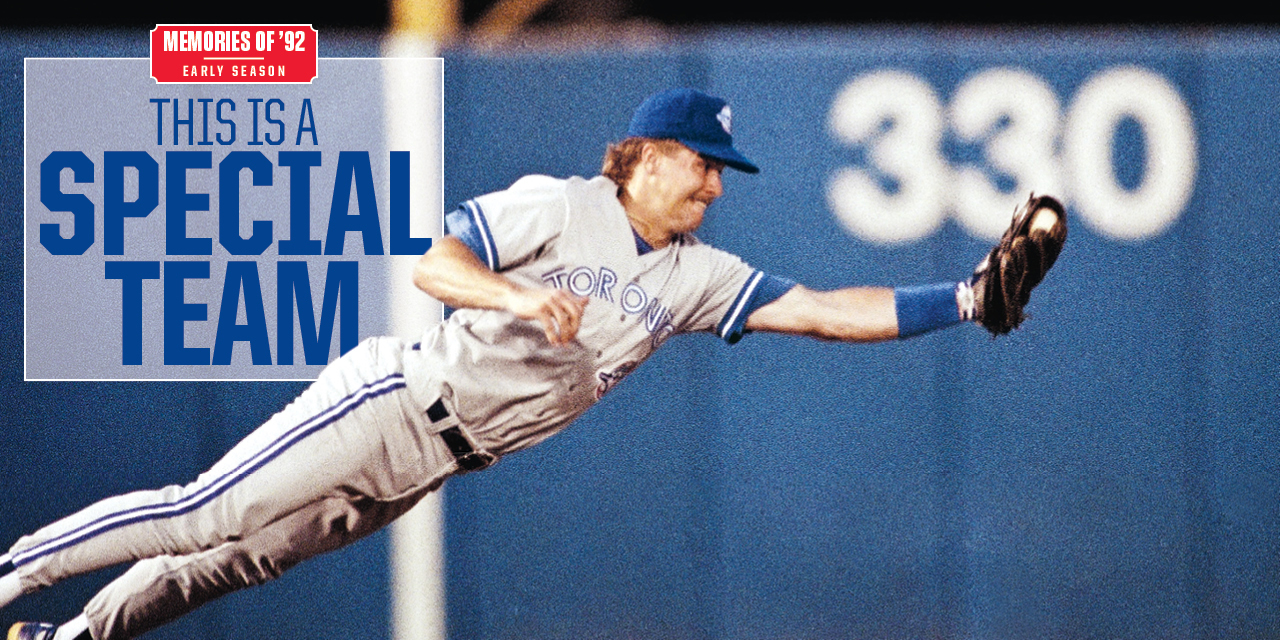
(656, 317)
(554, 278)
(607, 279)
(634, 299)
(584, 281)
(658, 322)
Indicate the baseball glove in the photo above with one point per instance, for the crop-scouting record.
(1003, 281)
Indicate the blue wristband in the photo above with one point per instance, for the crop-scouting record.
(925, 308)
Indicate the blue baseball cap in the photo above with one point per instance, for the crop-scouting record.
(695, 119)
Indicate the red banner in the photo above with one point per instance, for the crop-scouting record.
(202, 53)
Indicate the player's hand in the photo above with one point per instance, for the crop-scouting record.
(1002, 282)
(559, 311)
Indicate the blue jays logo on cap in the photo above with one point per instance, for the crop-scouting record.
(726, 119)
(697, 120)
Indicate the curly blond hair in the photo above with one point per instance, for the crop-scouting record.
(620, 159)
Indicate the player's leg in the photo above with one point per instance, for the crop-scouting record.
(331, 441)
(158, 590)
(10, 587)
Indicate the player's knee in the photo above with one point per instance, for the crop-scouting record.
(250, 569)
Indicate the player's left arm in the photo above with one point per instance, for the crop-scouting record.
(993, 297)
(857, 314)
(764, 302)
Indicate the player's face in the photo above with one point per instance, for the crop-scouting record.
(688, 184)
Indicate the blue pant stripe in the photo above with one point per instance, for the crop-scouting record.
(220, 485)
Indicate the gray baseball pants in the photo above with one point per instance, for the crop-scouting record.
(348, 456)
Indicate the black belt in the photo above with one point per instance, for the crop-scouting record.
(468, 458)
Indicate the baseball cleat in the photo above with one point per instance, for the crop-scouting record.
(32, 631)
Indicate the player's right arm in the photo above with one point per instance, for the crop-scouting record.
(451, 273)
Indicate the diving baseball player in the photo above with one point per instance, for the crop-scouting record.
(562, 288)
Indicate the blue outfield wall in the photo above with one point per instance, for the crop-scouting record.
(1106, 471)
(1109, 470)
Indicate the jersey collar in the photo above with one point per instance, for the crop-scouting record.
(642, 247)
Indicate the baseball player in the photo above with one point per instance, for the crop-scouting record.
(562, 287)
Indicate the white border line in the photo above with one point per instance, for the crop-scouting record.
(25, 213)
(26, 180)
(417, 607)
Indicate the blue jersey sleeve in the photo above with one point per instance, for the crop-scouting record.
(508, 228)
(467, 224)
(761, 289)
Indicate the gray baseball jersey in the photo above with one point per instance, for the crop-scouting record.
(511, 388)
(371, 436)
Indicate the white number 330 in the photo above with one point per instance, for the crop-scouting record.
(906, 187)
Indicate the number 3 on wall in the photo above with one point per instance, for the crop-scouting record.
(908, 188)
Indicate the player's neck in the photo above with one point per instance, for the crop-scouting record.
(642, 221)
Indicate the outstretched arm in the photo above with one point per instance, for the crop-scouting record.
(451, 273)
(859, 314)
(994, 297)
